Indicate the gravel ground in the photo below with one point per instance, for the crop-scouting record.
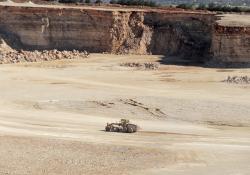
(53, 114)
(21, 155)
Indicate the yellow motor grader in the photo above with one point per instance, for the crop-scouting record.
(122, 126)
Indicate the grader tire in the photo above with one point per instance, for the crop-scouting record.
(130, 129)
(107, 128)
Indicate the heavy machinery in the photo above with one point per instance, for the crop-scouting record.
(122, 126)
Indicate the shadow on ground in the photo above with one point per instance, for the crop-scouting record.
(203, 62)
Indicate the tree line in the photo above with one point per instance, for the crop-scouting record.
(152, 3)
(121, 2)
(215, 7)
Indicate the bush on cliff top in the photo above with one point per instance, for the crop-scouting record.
(186, 6)
(214, 7)
(135, 2)
(98, 1)
(121, 2)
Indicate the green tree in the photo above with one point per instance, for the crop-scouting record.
(201, 7)
(98, 1)
(113, 2)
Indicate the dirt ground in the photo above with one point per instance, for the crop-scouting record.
(53, 114)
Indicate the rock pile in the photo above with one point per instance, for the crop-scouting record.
(144, 66)
(238, 79)
(34, 56)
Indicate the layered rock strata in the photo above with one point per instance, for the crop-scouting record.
(186, 34)
(231, 44)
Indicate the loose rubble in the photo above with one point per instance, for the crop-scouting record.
(238, 79)
(35, 56)
(144, 66)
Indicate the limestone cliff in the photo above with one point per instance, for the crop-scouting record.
(192, 35)
(48, 28)
(117, 31)
(231, 44)
(129, 33)
(187, 35)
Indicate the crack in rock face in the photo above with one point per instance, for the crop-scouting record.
(45, 24)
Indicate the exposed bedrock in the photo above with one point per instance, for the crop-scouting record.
(192, 35)
(231, 44)
(32, 28)
(187, 35)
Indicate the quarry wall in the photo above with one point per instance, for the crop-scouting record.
(48, 28)
(231, 44)
(178, 34)
(182, 34)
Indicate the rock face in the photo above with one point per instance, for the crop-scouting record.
(178, 34)
(192, 35)
(186, 35)
(231, 44)
(129, 34)
(116, 31)
(64, 29)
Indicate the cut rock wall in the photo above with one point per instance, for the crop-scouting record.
(178, 34)
(116, 31)
(231, 44)
(32, 28)
(192, 35)
(129, 34)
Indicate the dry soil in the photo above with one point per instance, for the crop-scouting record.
(52, 117)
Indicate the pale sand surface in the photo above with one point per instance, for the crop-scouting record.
(234, 20)
(53, 114)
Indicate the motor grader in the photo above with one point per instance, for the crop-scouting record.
(123, 126)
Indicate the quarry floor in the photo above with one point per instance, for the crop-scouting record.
(53, 114)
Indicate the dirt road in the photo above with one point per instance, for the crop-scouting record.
(53, 114)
